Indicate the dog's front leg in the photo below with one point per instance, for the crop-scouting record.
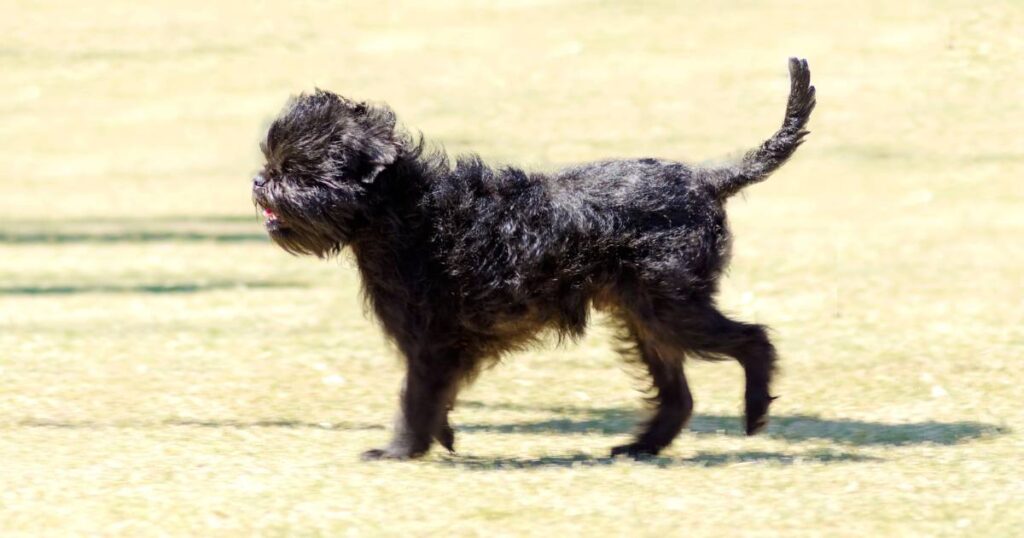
(446, 434)
(429, 388)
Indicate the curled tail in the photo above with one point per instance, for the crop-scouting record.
(774, 152)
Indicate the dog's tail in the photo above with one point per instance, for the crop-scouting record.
(758, 164)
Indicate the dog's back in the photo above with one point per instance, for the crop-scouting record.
(607, 224)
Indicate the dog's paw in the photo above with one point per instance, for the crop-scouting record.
(635, 451)
(755, 425)
(757, 412)
(447, 438)
(388, 453)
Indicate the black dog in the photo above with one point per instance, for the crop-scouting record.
(462, 263)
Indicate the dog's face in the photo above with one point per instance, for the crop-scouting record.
(323, 154)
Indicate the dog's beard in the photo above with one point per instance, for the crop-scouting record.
(295, 243)
(318, 229)
(304, 238)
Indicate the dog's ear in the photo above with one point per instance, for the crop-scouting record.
(380, 145)
(378, 154)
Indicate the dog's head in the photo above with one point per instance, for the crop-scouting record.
(324, 153)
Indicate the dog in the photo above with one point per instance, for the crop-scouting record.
(463, 262)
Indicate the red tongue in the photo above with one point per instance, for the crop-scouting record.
(269, 214)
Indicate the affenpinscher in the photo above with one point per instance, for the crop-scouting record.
(463, 262)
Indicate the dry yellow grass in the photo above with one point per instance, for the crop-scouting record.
(165, 371)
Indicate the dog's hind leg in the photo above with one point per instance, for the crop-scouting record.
(749, 344)
(672, 398)
(705, 332)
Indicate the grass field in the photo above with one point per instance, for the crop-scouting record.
(164, 370)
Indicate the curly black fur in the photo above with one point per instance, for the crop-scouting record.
(464, 262)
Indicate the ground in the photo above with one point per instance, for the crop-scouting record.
(165, 370)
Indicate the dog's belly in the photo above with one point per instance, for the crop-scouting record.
(517, 314)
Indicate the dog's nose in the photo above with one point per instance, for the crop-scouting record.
(259, 180)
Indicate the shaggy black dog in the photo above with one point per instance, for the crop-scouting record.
(462, 263)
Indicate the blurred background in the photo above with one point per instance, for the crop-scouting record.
(165, 369)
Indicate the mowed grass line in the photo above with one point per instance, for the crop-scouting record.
(164, 370)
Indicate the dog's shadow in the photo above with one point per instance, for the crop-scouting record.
(620, 421)
(795, 428)
(615, 421)
(702, 459)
